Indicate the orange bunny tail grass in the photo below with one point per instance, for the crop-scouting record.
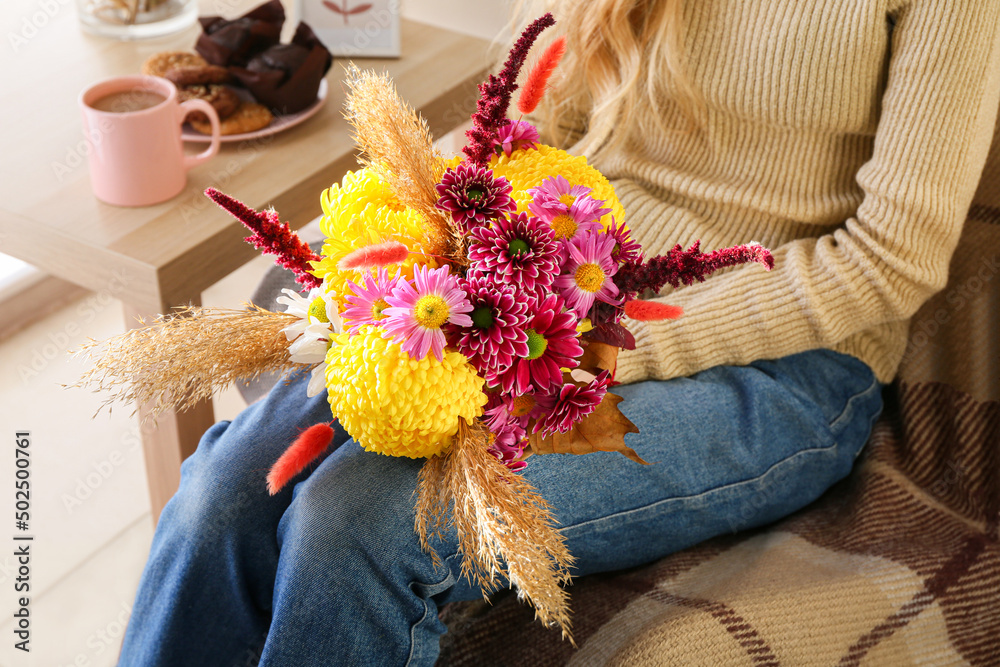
(373, 256)
(538, 79)
(505, 528)
(651, 311)
(311, 443)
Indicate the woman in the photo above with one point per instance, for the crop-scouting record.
(847, 136)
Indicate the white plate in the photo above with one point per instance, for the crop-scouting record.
(277, 125)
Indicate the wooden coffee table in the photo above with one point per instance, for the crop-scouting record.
(157, 257)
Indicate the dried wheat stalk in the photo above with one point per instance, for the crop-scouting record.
(187, 356)
(505, 529)
(397, 143)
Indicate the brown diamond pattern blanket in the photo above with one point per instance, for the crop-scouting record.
(899, 564)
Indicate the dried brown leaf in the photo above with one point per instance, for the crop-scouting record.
(603, 430)
(598, 356)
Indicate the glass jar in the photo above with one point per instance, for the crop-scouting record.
(136, 19)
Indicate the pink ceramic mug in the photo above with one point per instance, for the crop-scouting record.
(133, 128)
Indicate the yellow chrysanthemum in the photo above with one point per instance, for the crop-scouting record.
(394, 405)
(360, 211)
(528, 168)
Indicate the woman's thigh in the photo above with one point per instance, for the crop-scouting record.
(729, 448)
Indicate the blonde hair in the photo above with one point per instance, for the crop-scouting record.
(606, 90)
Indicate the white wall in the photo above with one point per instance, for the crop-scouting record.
(482, 18)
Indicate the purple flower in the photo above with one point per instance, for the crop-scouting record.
(552, 346)
(473, 196)
(587, 271)
(626, 249)
(367, 303)
(569, 210)
(515, 135)
(558, 411)
(520, 251)
(497, 333)
(418, 312)
(508, 445)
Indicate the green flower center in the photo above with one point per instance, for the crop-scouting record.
(377, 307)
(589, 277)
(483, 317)
(517, 247)
(536, 344)
(431, 311)
(475, 194)
(317, 309)
(564, 226)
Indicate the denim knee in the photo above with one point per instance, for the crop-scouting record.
(356, 500)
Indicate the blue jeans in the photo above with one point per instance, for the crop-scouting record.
(329, 571)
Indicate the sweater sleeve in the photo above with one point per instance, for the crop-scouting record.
(934, 130)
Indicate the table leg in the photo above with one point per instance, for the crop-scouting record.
(172, 438)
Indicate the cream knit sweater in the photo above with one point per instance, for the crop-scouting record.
(849, 147)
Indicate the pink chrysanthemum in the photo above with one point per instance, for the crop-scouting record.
(417, 312)
(558, 411)
(508, 446)
(473, 196)
(587, 272)
(520, 251)
(569, 210)
(626, 248)
(504, 407)
(497, 333)
(515, 135)
(552, 346)
(368, 301)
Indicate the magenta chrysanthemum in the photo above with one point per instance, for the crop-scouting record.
(587, 273)
(508, 444)
(520, 251)
(504, 407)
(497, 334)
(417, 312)
(515, 135)
(368, 301)
(552, 346)
(560, 410)
(473, 196)
(626, 248)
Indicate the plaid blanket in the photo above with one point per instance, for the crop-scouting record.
(898, 564)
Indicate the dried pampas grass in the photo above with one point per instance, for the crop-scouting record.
(505, 528)
(398, 145)
(187, 356)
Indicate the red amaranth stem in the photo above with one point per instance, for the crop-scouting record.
(273, 237)
(686, 266)
(496, 91)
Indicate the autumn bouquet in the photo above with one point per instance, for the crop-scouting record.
(467, 311)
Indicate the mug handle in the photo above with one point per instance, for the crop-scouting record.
(213, 117)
